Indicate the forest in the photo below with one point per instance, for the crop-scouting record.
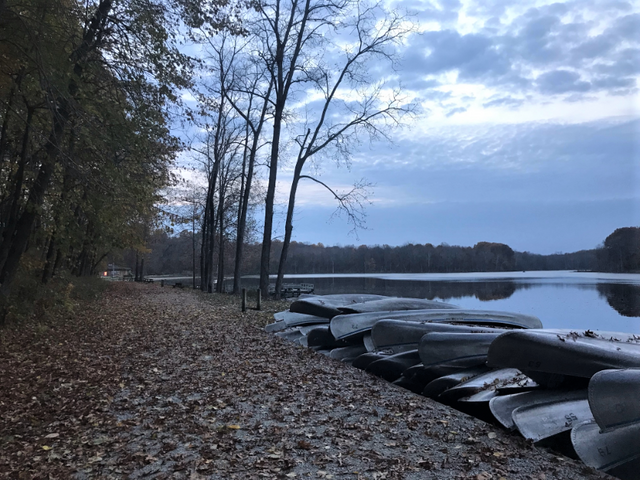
(107, 105)
(122, 120)
(620, 252)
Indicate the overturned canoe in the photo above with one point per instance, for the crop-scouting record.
(347, 353)
(391, 367)
(616, 451)
(439, 385)
(395, 304)
(293, 335)
(502, 407)
(364, 360)
(300, 319)
(441, 347)
(397, 336)
(614, 398)
(368, 342)
(327, 305)
(276, 326)
(484, 381)
(320, 336)
(544, 420)
(564, 352)
(451, 367)
(343, 326)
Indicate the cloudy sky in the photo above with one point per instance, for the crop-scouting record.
(529, 132)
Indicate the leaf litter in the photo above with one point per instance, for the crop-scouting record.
(157, 383)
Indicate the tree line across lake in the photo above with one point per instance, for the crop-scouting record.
(620, 252)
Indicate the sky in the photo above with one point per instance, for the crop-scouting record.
(528, 132)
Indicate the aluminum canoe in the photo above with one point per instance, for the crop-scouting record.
(391, 367)
(614, 398)
(327, 305)
(544, 420)
(275, 326)
(364, 360)
(564, 352)
(395, 304)
(347, 353)
(451, 367)
(439, 385)
(320, 336)
(440, 347)
(395, 336)
(343, 326)
(292, 335)
(298, 319)
(613, 451)
(502, 406)
(368, 342)
(485, 381)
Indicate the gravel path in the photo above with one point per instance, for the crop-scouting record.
(154, 382)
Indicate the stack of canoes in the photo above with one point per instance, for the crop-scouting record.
(560, 387)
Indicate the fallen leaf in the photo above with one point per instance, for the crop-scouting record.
(52, 435)
(46, 448)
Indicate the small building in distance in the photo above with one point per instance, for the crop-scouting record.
(115, 272)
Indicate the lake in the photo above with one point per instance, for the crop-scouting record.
(561, 299)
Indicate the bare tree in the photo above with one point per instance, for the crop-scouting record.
(288, 31)
(249, 96)
(348, 95)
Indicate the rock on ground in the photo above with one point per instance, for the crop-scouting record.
(156, 383)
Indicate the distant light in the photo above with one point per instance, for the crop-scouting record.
(105, 274)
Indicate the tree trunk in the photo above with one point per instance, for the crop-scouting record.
(268, 208)
(4, 140)
(135, 273)
(193, 246)
(220, 278)
(47, 271)
(244, 184)
(24, 226)
(18, 181)
(288, 229)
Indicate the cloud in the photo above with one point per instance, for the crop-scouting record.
(510, 51)
(498, 101)
(561, 81)
(535, 162)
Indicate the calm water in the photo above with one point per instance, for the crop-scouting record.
(576, 300)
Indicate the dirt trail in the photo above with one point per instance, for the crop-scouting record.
(154, 382)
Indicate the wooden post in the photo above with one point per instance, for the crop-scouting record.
(259, 303)
(244, 299)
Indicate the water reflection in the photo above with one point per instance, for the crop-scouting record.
(623, 298)
(439, 290)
